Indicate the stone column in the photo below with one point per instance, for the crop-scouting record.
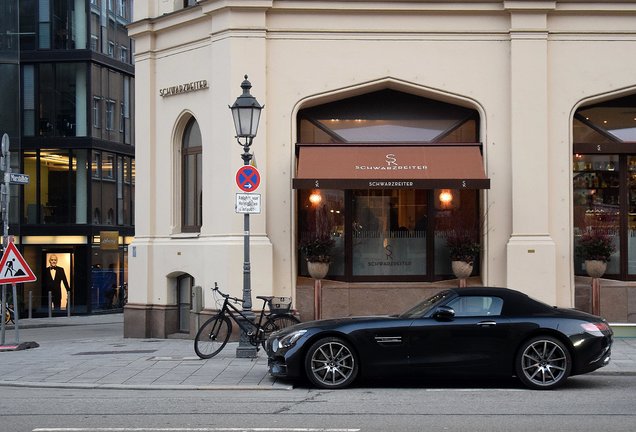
(531, 252)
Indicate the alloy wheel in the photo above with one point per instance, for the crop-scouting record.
(544, 363)
(331, 363)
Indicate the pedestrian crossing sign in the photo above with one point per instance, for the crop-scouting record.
(13, 268)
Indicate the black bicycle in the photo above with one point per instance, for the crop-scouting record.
(215, 332)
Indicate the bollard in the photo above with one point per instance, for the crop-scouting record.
(16, 313)
(3, 309)
(50, 300)
(30, 304)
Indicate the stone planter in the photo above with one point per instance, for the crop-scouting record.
(317, 270)
(461, 269)
(595, 268)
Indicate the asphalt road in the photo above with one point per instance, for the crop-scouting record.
(586, 403)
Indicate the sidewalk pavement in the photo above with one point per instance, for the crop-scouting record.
(114, 362)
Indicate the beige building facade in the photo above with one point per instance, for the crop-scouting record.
(521, 71)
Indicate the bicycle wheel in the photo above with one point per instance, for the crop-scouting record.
(212, 336)
(277, 322)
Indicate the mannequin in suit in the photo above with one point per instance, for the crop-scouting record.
(52, 280)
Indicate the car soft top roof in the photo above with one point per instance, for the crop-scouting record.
(515, 302)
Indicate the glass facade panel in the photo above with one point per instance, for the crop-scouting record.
(456, 216)
(597, 200)
(323, 211)
(112, 105)
(28, 20)
(385, 234)
(192, 178)
(615, 122)
(30, 167)
(62, 197)
(631, 223)
(604, 181)
(387, 116)
(9, 69)
(60, 104)
(108, 31)
(57, 187)
(389, 232)
(55, 25)
(107, 275)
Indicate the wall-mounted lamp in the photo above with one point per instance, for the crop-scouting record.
(447, 199)
(315, 198)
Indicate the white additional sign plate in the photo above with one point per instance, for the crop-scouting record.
(248, 203)
(17, 178)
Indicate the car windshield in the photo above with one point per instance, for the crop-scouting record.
(421, 308)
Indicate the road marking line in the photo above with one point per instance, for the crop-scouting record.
(150, 429)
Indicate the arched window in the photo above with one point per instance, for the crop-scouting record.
(387, 230)
(604, 182)
(191, 178)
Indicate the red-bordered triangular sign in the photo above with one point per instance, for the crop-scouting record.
(13, 267)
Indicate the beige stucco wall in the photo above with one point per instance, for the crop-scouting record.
(524, 65)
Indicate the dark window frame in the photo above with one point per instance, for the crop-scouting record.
(194, 153)
(462, 117)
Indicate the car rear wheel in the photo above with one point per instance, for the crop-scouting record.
(331, 363)
(543, 363)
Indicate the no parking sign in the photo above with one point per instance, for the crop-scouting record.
(248, 178)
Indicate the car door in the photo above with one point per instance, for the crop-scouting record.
(382, 345)
(473, 341)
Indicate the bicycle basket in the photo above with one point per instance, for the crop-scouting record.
(280, 305)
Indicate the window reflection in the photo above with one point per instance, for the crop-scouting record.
(387, 116)
(596, 182)
(389, 232)
(613, 120)
(322, 211)
(192, 178)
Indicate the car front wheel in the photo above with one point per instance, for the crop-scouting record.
(331, 363)
(543, 363)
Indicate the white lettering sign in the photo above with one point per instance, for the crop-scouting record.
(183, 88)
(248, 203)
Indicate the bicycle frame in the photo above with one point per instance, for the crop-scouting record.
(255, 329)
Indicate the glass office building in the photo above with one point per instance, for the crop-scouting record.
(77, 146)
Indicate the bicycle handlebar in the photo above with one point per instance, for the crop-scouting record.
(227, 296)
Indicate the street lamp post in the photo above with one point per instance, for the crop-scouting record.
(246, 113)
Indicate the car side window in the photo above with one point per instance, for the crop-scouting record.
(469, 306)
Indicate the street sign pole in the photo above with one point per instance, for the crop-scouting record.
(5, 166)
(8, 248)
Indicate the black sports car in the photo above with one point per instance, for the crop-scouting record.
(465, 331)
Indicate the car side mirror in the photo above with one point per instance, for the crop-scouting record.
(444, 313)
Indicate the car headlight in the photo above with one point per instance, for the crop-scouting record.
(287, 341)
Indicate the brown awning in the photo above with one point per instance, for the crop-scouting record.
(390, 167)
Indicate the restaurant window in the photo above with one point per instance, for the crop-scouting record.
(191, 178)
(604, 181)
(385, 233)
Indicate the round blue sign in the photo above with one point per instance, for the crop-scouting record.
(248, 178)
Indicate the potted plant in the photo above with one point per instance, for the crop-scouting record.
(463, 247)
(595, 248)
(317, 251)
